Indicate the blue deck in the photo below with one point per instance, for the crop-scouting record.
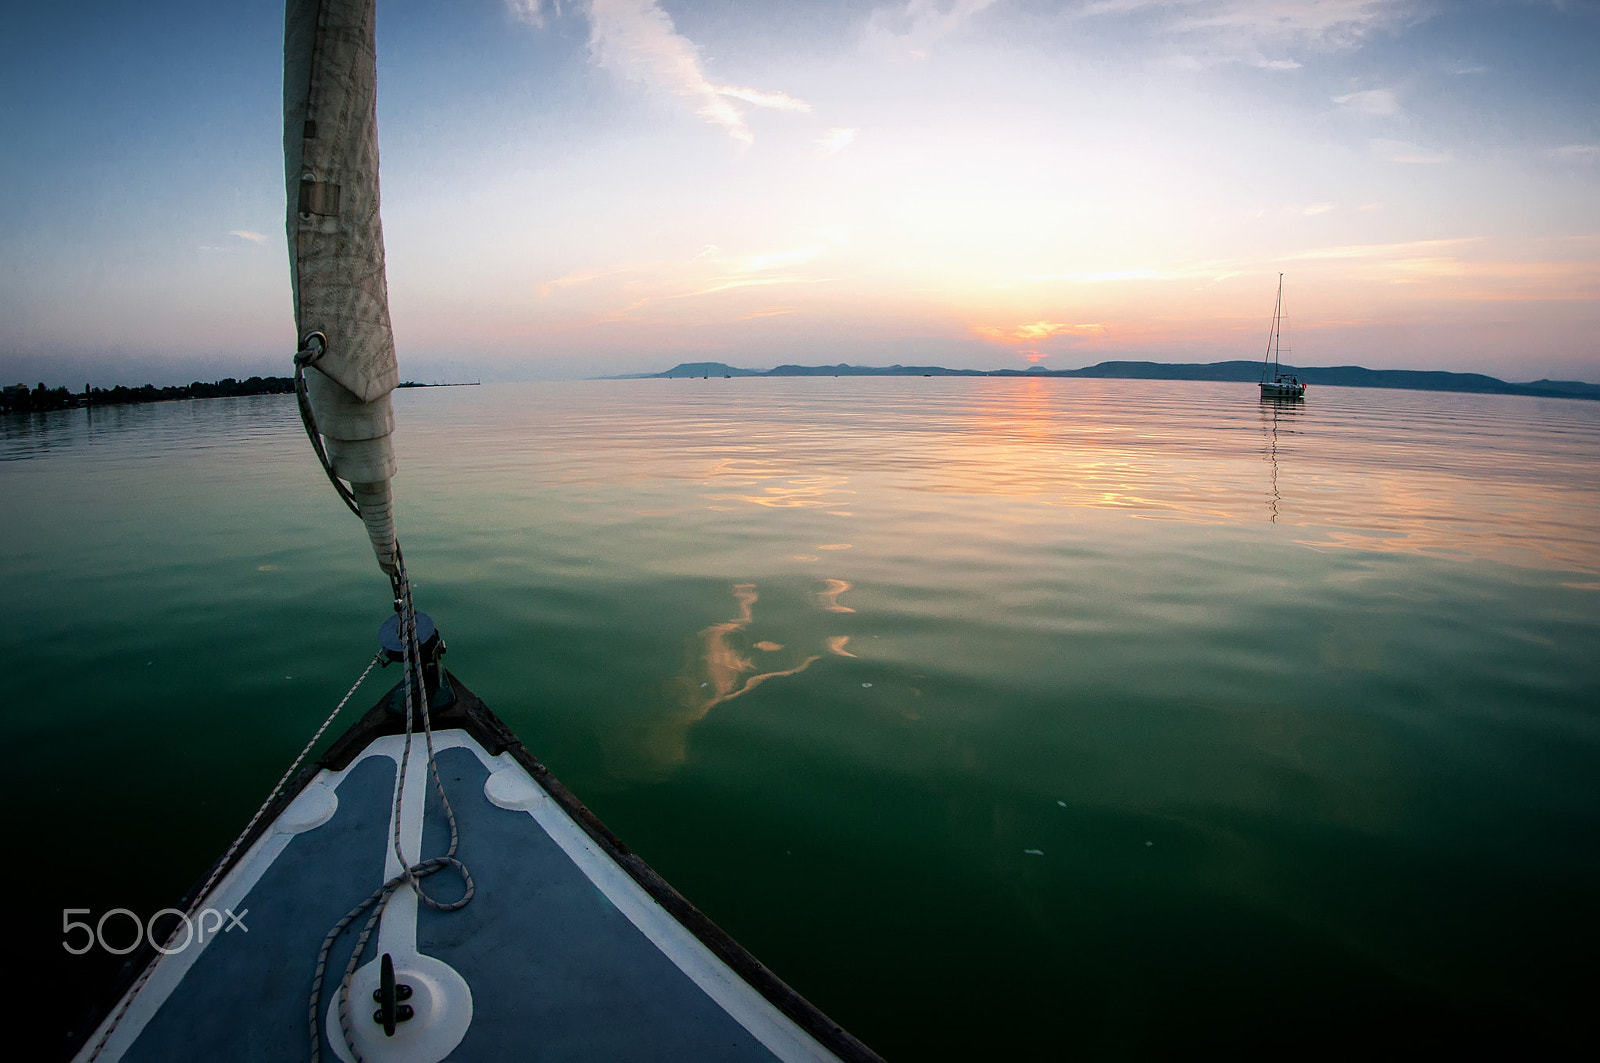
(557, 970)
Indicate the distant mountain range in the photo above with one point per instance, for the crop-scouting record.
(1354, 376)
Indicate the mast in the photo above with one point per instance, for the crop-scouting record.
(345, 368)
(1277, 331)
(1274, 335)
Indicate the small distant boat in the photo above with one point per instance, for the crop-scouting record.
(1275, 384)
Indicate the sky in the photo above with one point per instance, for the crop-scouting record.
(576, 188)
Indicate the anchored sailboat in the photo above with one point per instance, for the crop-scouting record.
(396, 919)
(1279, 386)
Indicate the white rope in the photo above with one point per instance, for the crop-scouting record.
(222, 865)
(410, 874)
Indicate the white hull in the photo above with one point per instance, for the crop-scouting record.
(1282, 389)
(1280, 386)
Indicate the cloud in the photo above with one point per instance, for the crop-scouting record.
(1036, 331)
(1335, 23)
(617, 293)
(723, 284)
(531, 11)
(636, 40)
(1218, 31)
(245, 236)
(1586, 153)
(1400, 151)
(908, 30)
(571, 279)
(777, 259)
(836, 140)
(1370, 101)
(1096, 278)
(1472, 267)
(1406, 262)
(1409, 249)
(778, 101)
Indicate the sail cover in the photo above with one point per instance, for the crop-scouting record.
(330, 153)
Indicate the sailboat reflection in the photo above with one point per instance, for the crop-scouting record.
(1273, 408)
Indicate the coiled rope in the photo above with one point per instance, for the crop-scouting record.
(223, 864)
(312, 348)
(410, 874)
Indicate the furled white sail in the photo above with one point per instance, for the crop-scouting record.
(330, 151)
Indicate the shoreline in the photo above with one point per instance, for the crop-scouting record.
(1237, 371)
(19, 398)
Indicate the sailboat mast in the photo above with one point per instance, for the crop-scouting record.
(1277, 330)
(1272, 334)
(1277, 327)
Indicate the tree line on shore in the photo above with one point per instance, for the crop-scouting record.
(22, 399)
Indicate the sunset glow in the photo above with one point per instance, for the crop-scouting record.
(616, 185)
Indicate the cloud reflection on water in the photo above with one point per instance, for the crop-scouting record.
(720, 669)
(726, 667)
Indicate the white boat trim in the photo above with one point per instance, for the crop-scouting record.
(509, 785)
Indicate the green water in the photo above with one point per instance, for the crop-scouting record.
(1024, 719)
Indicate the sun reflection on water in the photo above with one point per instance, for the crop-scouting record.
(1475, 477)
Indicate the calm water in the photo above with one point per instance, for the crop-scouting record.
(1003, 718)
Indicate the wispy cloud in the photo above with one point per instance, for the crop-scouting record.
(1259, 31)
(1104, 275)
(836, 140)
(1584, 153)
(1406, 262)
(1330, 22)
(635, 292)
(1400, 151)
(910, 29)
(723, 284)
(778, 259)
(531, 11)
(636, 40)
(1472, 268)
(1371, 101)
(547, 288)
(1408, 249)
(1036, 331)
(778, 101)
(246, 236)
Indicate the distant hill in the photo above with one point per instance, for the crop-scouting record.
(1353, 376)
(704, 369)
